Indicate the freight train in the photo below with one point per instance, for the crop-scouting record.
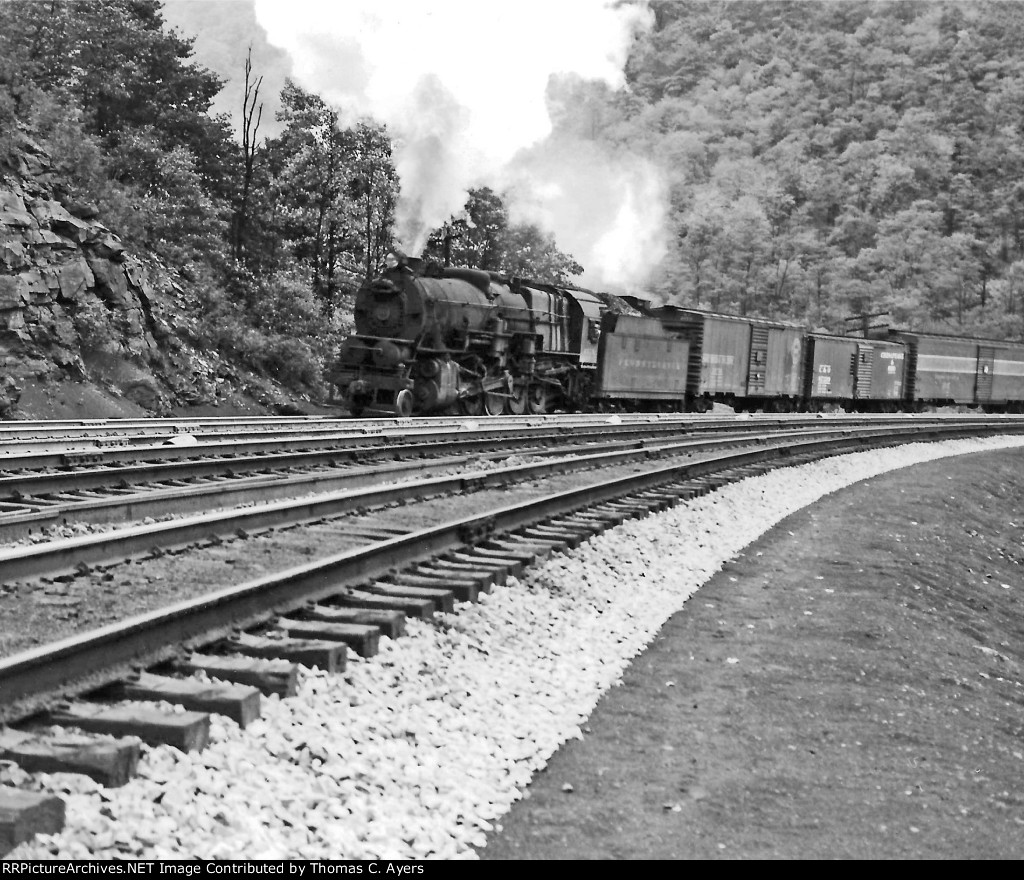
(432, 340)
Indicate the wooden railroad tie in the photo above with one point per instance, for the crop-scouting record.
(328, 655)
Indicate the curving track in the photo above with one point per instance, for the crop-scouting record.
(378, 565)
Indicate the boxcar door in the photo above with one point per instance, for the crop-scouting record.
(863, 371)
(758, 369)
(986, 365)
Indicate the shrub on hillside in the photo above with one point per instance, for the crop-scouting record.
(262, 346)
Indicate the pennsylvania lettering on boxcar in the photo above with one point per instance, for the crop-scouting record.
(671, 366)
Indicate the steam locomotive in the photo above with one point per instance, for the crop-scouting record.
(433, 340)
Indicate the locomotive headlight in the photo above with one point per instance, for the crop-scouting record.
(392, 261)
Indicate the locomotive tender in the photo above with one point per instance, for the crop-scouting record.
(434, 340)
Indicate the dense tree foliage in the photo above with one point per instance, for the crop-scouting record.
(837, 158)
(484, 238)
(125, 115)
(335, 189)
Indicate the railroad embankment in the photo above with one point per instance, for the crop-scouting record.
(849, 686)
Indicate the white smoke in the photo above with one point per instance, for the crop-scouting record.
(461, 86)
(433, 179)
(608, 209)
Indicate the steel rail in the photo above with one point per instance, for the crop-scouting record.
(160, 462)
(394, 437)
(15, 487)
(100, 656)
(66, 555)
(13, 440)
(50, 428)
(22, 519)
(56, 428)
(27, 516)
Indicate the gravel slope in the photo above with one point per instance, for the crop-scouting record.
(416, 752)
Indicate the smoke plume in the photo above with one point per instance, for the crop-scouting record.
(461, 86)
(607, 207)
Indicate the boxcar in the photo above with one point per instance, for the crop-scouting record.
(742, 361)
(854, 372)
(776, 358)
(943, 369)
(880, 373)
(1007, 387)
(829, 368)
(639, 359)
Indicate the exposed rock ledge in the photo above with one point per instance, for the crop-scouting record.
(77, 307)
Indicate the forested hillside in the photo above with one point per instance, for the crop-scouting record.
(829, 159)
(820, 160)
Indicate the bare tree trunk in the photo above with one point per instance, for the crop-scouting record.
(249, 131)
(370, 244)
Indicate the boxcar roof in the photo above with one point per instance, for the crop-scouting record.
(704, 313)
(952, 337)
(870, 340)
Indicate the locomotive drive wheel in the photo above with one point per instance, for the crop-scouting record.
(472, 405)
(357, 406)
(494, 404)
(537, 399)
(515, 404)
(403, 403)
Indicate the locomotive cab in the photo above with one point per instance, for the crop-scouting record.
(585, 313)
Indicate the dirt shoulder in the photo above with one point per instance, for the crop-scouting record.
(851, 686)
(88, 400)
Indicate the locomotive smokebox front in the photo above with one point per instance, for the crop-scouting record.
(390, 307)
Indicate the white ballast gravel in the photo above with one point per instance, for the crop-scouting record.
(415, 753)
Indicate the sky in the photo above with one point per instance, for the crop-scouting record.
(464, 89)
(223, 31)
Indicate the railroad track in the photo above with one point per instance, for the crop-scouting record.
(34, 498)
(310, 496)
(36, 495)
(28, 438)
(387, 567)
(110, 447)
(85, 431)
(52, 501)
(88, 464)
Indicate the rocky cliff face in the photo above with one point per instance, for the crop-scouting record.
(76, 306)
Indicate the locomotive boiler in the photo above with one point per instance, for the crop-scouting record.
(431, 339)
